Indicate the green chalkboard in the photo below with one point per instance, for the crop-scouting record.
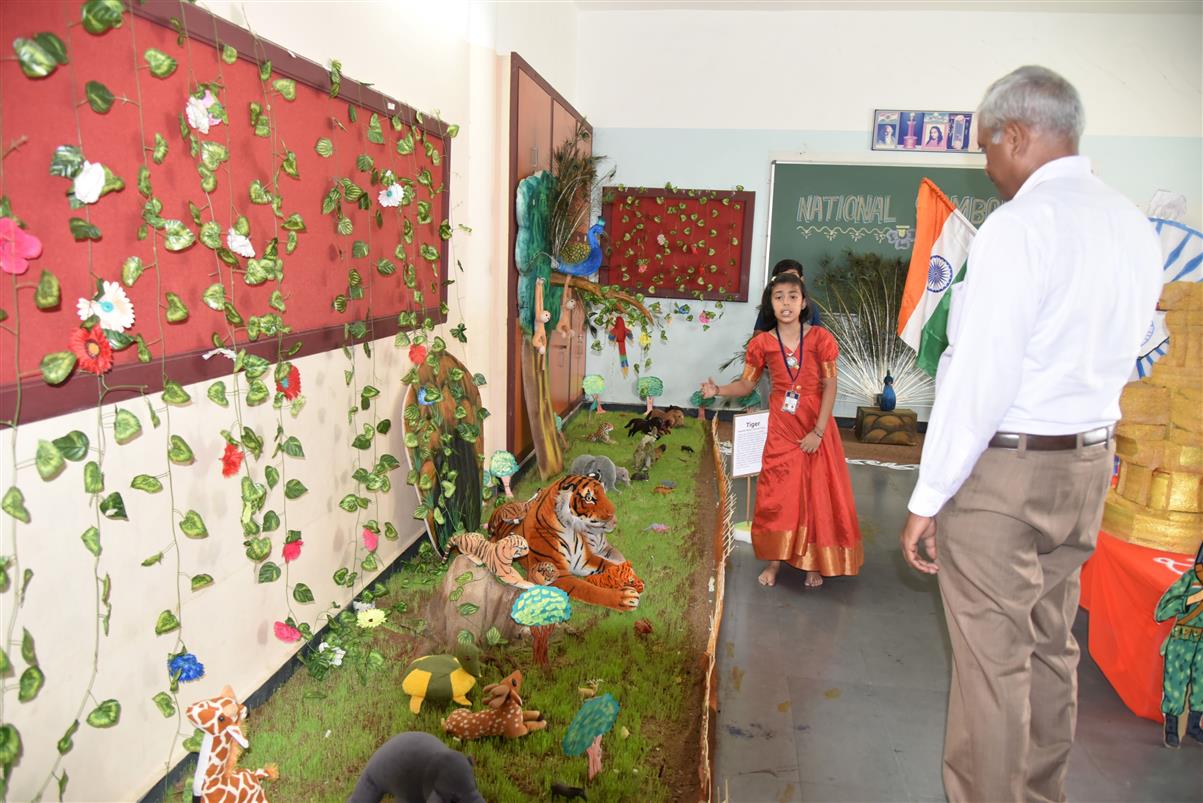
(822, 210)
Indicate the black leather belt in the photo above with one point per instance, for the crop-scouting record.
(1050, 443)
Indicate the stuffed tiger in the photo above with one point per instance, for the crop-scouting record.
(566, 525)
(507, 519)
(616, 575)
(496, 556)
(601, 434)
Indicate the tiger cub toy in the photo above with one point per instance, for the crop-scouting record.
(601, 434)
(496, 556)
(565, 525)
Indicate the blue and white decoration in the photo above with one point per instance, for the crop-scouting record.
(1182, 250)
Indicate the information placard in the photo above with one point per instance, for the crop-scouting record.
(749, 432)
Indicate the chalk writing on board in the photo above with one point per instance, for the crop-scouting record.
(749, 433)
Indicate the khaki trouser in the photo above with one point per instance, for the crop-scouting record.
(1011, 543)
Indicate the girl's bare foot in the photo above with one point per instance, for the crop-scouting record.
(814, 580)
(769, 576)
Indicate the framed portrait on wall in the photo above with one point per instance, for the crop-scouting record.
(924, 131)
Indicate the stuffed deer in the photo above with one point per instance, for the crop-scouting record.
(503, 717)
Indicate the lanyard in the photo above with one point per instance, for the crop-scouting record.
(793, 376)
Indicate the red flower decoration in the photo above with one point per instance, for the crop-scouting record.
(16, 247)
(370, 540)
(92, 350)
(417, 354)
(291, 386)
(231, 460)
(286, 632)
(292, 551)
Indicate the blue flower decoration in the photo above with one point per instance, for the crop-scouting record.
(422, 398)
(186, 666)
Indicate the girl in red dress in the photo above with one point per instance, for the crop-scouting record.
(805, 513)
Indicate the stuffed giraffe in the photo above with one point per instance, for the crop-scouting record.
(218, 779)
(504, 717)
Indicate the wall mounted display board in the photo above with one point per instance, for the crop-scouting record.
(201, 129)
(823, 210)
(674, 243)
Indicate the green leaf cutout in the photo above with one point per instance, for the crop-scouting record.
(57, 366)
(217, 393)
(174, 394)
(165, 704)
(269, 573)
(161, 65)
(159, 153)
(105, 715)
(100, 16)
(131, 269)
(91, 539)
(193, 526)
(49, 460)
(35, 60)
(126, 426)
(286, 87)
(13, 504)
(214, 297)
(228, 54)
(201, 581)
(93, 478)
(294, 489)
(113, 507)
(324, 148)
(73, 445)
(31, 683)
(179, 452)
(99, 97)
(145, 482)
(179, 236)
(301, 593)
(83, 230)
(67, 742)
(166, 623)
(176, 311)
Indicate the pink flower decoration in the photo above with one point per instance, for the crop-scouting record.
(16, 247)
(417, 353)
(292, 551)
(370, 540)
(286, 632)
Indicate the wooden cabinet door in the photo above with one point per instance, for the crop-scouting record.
(534, 129)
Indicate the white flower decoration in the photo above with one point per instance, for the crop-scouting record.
(391, 196)
(337, 653)
(113, 308)
(240, 244)
(198, 114)
(661, 239)
(89, 183)
(362, 606)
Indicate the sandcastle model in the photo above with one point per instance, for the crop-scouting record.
(1158, 499)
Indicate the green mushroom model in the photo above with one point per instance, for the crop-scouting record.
(502, 465)
(594, 386)
(649, 388)
(442, 678)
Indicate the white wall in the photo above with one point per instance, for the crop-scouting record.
(433, 56)
(707, 99)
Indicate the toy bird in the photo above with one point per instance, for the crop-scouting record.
(620, 334)
(592, 262)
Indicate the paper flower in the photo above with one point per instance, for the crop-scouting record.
(292, 550)
(661, 240)
(358, 606)
(336, 653)
(17, 247)
(186, 667)
(89, 183)
(197, 112)
(240, 244)
(705, 317)
(92, 350)
(231, 460)
(422, 398)
(417, 353)
(370, 618)
(113, 308)
(391, 196)
(290, 386)
(286, 632)
(370, 540)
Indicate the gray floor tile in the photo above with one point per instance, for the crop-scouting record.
(776, 786)
(841, 793)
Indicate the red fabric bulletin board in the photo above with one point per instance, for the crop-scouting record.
(1121, 586)
(367, 132)
(675, 243)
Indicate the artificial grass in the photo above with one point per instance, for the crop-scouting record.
(322, 732)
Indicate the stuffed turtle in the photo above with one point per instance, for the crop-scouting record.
(442, 678)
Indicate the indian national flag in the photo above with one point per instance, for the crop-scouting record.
(942, 239)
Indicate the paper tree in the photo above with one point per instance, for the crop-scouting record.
(701, 403)
(502, 465)
(649, 388)
(594, 385)
(541, 608)
(593, 721)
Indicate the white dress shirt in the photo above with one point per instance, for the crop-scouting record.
(1061, 287)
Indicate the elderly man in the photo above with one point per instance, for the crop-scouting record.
(1061, 285)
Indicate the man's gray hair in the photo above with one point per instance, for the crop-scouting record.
(1036, 97)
